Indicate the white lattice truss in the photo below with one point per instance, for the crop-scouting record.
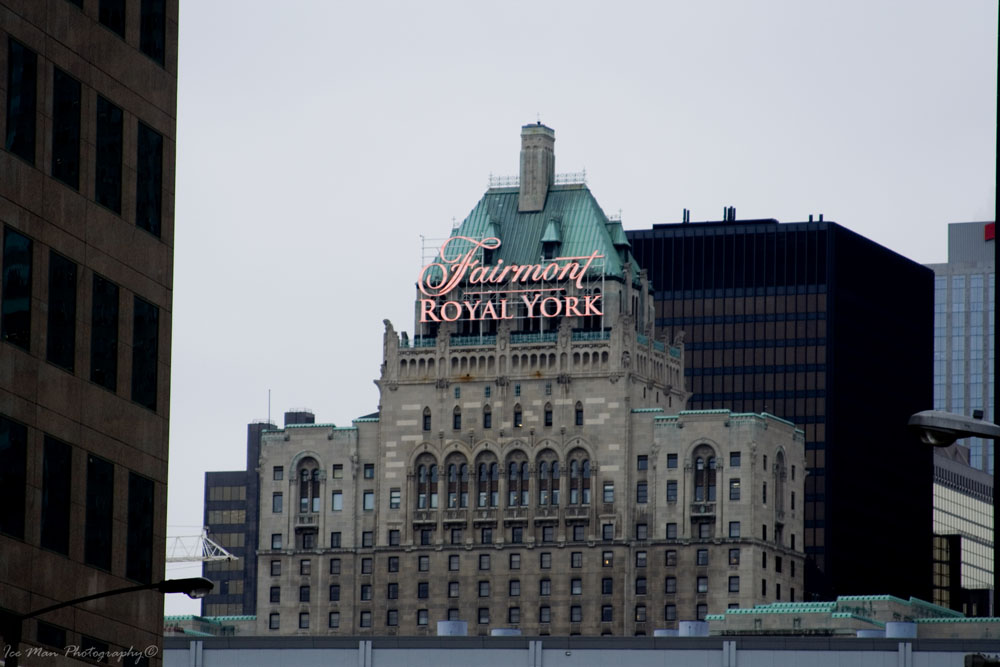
(195, 549)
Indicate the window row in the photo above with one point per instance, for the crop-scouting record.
(55, 515)
(517, 415)
(61, 319)
(66, 139)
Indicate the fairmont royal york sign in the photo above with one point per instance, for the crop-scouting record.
(500, 298)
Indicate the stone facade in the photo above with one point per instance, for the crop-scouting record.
(531, 476)
(89, 104)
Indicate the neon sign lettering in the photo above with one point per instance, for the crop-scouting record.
(440, 278)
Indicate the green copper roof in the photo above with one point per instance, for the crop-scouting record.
(617, 233)
(582, 228)
(552, 233)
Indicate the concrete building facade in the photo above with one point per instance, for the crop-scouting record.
(533, 469)
(88, 112)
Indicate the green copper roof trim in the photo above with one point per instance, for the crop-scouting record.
(715, 617)
(583, 228)
(936, 607)
(871, 598)
(365, 420)
(859, 617)
(552, 233)
(717, 411)
(963, 619)
(647, 409)
(345, 428)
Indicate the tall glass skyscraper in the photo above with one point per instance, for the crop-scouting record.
(963, 329)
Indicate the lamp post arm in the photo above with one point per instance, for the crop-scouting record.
(95, 596)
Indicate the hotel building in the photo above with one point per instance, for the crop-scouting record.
(528, 472)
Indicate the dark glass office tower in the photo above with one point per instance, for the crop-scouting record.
(816, 324)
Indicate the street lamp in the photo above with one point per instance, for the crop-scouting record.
(194, 587)
(941, 429)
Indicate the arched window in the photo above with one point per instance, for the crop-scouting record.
(456, 419)
(517, 480)
(487, 417)
(579, 414)
(704, 474)
(518, 421)
(548, 414)
(427, 483)
(458, 481)
(543, 483)
(487, 481)
(579, 479)
(548, 478)
(308, 486)
(427, 419)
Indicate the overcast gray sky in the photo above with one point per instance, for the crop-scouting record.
(318, 140)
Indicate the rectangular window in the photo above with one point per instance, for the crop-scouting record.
(13, 476)
(423, 590)
(275, 594)
(578, 532)
(545, 560)
(277, 503)
(734, 459)
(276, 540)
(670, 585)
(393, 538)
(545, 587)
(702, 584)
(453, 563)
(304, 620)
(22, 100)
(763, 587)
(392, 618)
(108, 149)
(337, 501)
(65, 128)
(671, 460)
(517, 534)
(367, 565)
(576, 559)
(514, 588)
(670, 559)
(544, 614)
(335, 593)
(671, 531)
(369, 471)
(734, 556)
(609, 492)
(334, 566)
(483, 615)
(366, 592)
(640, 585)
(453, 589)
(705, 529)
(672, 491)
(734, 529)
(607, 586)
(642, 462)
(149, 180)
(777, 564)
(139, 542)
(274, 621)
(734, 489)
(425, 536)
(607, 559)
(100, 507)
(424, 563)
(112, 14)
(334, 620)
(145, 345)
(392, 591)
(514, 615)
(153, 29)
(393, 564)
(366, 619)
(640, 613)
(57, 463)
(641, 531)
(338, 471)
(486, 536)
(548, 533)
(641, 493)
(514, 561)
(277, 473)
(484, 561)
(368, 538)
(734, 584)
(394, 499)
(275, 568)
(15, 318)
(486, 391)
(305, 566)
(335, 539)
(303, 594)
(576, 614)
(104, 334)
(484, 589)
(369, 501)
(670, 612)
(702, 557)
(701, 611)
(576, 586)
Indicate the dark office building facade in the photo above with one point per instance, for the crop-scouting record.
(821, 326)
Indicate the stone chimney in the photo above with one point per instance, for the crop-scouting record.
(538, 167)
